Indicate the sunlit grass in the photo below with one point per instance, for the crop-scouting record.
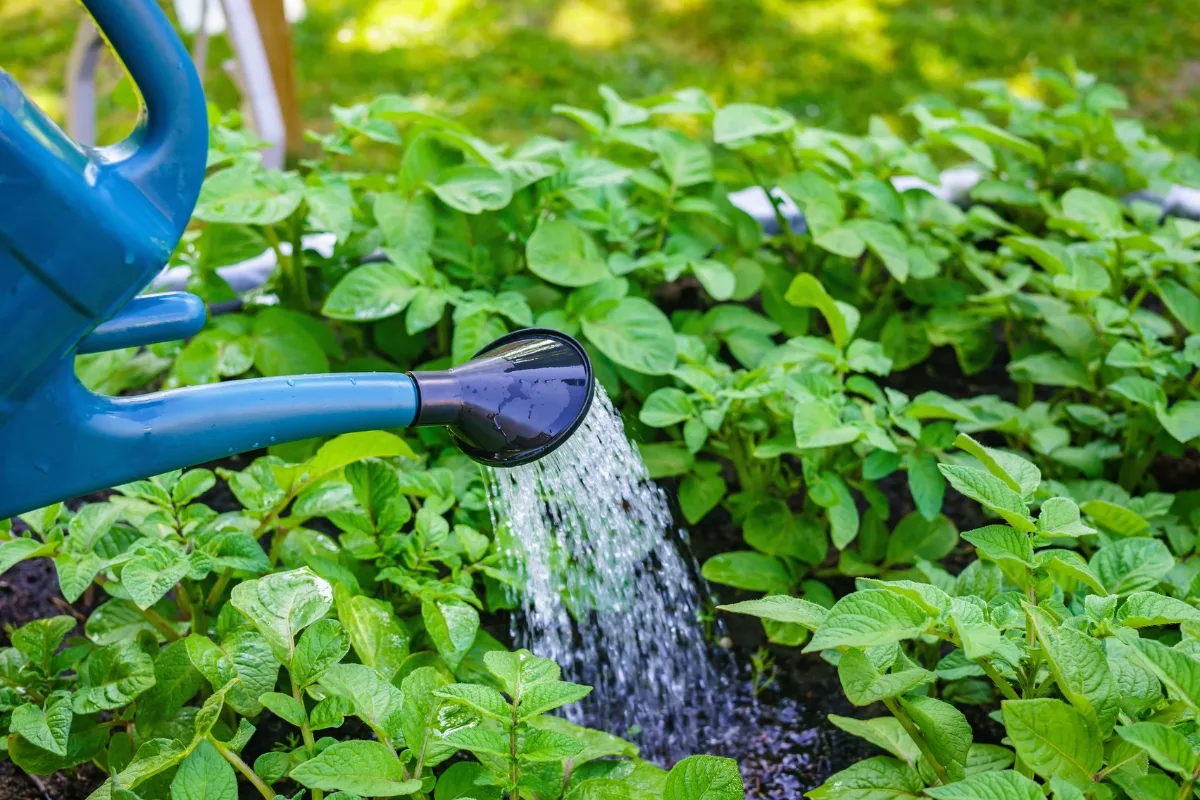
(592, 23)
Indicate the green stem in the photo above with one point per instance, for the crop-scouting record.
(915, 734)
(218, 589)
(233, 758)
(665, 218)
(1001, 682)
(1137, 299)
(784, 228)
(307, 734)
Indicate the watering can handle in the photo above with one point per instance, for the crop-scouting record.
(167, 165)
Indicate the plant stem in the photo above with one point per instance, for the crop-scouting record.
(307, 734)
(784, 228)
(218, 588)
(241, 766)
(914, 733)
(1001, 682)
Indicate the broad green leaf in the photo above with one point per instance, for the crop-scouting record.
(1178, 672)
(1138, 687)
(716, 278)
(370, 292)
(16, 550)
(771, 528)
(704, 778)
(1169, 748)
(1079, 667)
(365, 768)
(887, 242)
(1118, 519)
(562, 253)
(1053, 739)
(869, 619)
(991, 492)
(520, 669)
(738, 121)
(926, 484)
(1146, 609)
(452, 625)
(884, 732)
(1002, 785)
(148, 577)
(1132, 565)
(542, 745)
(378, 638)
(807, 292)
(484, 699)
(1050, 369)
(634, 334)
(822, 206)
(1059, 516)
(245, 657)
(376, 701)
(112, 677)
(878, 778)
(543, 697)
(843, 515)
(1002, 543)
(424, 720)
(248, 194)
(204, 775)
(944, 729)
(1070, 564)
(917, 537)
(342, 451)
(1182, 421)
(176, 681)
(686, 161)
(284, 706)
(864, 684)
(1020, 475)
(48, 727)
(321, 646)
(282, 345)
(929, 597)
(473, 189)
(40, 639)
(283, 604)
(815, 424)
(700, 494)
(781, 608)
(747, 570)
(666, 406)
(406, 222)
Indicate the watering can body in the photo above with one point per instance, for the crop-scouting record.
(83, 230)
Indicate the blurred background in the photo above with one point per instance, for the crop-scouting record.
(500, 65)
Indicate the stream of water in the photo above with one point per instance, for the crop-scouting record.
(609, 592)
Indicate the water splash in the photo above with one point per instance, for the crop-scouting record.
(608, 593)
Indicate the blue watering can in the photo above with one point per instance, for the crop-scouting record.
(83, 230)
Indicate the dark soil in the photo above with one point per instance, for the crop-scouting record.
(74, 785)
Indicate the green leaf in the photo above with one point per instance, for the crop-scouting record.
(473, 189)
(244, 657)
(543, 697)
(283, 604)
(451, 624)
(666, 406)
(700, 494)
(148, 577)
(46, 728)
(1182, 421)
(1169, 748)
(991, 492)
(884, 732)
(926, 484)
(1079, 667)
(716, 278)
(406, 222)
(869, 619)
(807, 292)
(370, 292)
(823, 210)
(944, 729)
(541, 745)
(885, 241)
(1053, 739)
(771, 528)
(40, 639)
(864, 684)
(878, 778)
(634, 334)
(248, 194)
(1050, 369)
(284, 706)
(917, 537)
(704, 778)
(425, 718)
(1002, 785)
(1132, 565)
(1178, 672)
(176, 681)
(112, 677)
(747, 570)
(563, 254)
(1020, 475)
(1146, 609)
(1139, 391)
(1059, 516)
(843, 514)
(484, 699)
(376, 701)
(781, 608)
(473, 334)
(378, 638)
(738, 121)
(686, 161)
(282, 346)
(321, 646)
(1001, 543)
(204, 775)
(816, 424)
(365, 768)
(16, 550)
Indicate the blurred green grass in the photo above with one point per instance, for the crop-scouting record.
(499, 65)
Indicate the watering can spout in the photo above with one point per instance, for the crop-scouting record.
(518, 400)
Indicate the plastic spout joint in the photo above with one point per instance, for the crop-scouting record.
(518, 400)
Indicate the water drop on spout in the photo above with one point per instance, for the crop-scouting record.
(291, 382)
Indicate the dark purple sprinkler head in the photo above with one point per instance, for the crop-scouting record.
(519, 399)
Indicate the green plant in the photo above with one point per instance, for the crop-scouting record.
(204, 629)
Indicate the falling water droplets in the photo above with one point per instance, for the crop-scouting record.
(291, 382)
(608, 594)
